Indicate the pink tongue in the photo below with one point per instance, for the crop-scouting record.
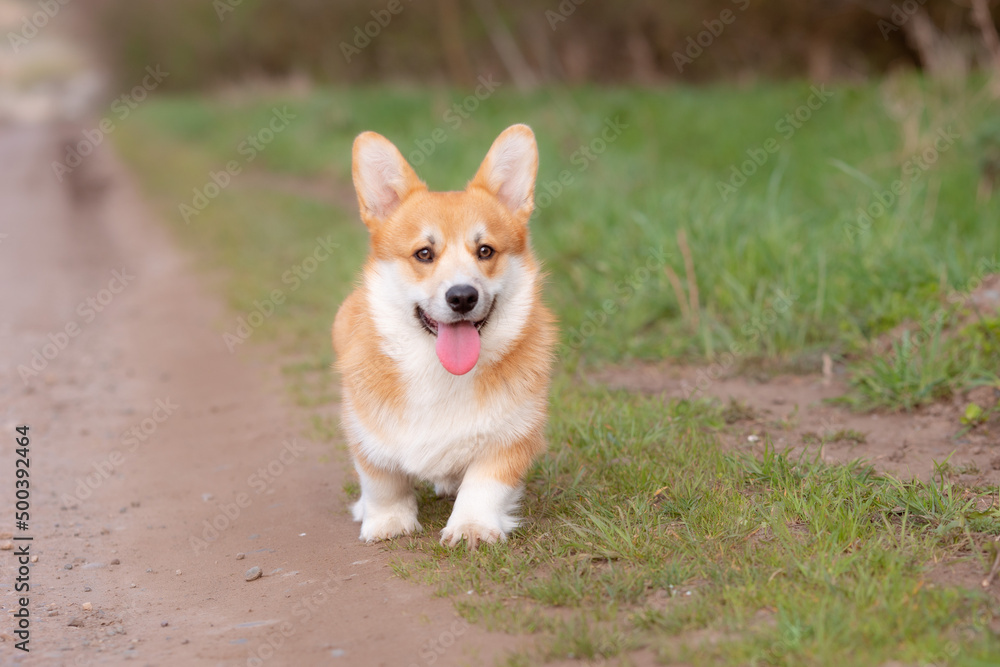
(458, 346)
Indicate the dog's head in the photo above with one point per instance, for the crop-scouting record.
(446, 261)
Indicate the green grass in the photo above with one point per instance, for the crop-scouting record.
(782, 270)
(642, 531)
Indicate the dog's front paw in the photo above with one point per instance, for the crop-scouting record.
(387, 526)
(472, 533)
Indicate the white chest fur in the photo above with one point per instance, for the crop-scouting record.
(445, 424)
(444, 427)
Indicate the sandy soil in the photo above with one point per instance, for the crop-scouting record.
(794, 413)
(157, 457)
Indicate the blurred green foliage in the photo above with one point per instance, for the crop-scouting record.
(204, 42)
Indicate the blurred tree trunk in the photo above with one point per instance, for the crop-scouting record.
(454, 48)
(576, 61)
(820, 56)
(640, 51)
(542, 49)
(987, 28)
(941, 58)
(510, 55)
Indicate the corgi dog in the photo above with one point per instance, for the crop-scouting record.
(445, 346)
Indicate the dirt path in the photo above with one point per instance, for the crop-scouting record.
(145, 432)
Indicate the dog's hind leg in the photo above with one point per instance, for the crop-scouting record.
(447, 487)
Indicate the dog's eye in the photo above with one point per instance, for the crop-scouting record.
(424, 255)
(485, 252)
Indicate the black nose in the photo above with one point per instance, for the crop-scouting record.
(462, 298)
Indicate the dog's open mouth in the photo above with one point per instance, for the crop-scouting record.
(431, 326)
(457, 343)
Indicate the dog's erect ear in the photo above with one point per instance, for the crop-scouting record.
(383, 179)
(509, 170)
